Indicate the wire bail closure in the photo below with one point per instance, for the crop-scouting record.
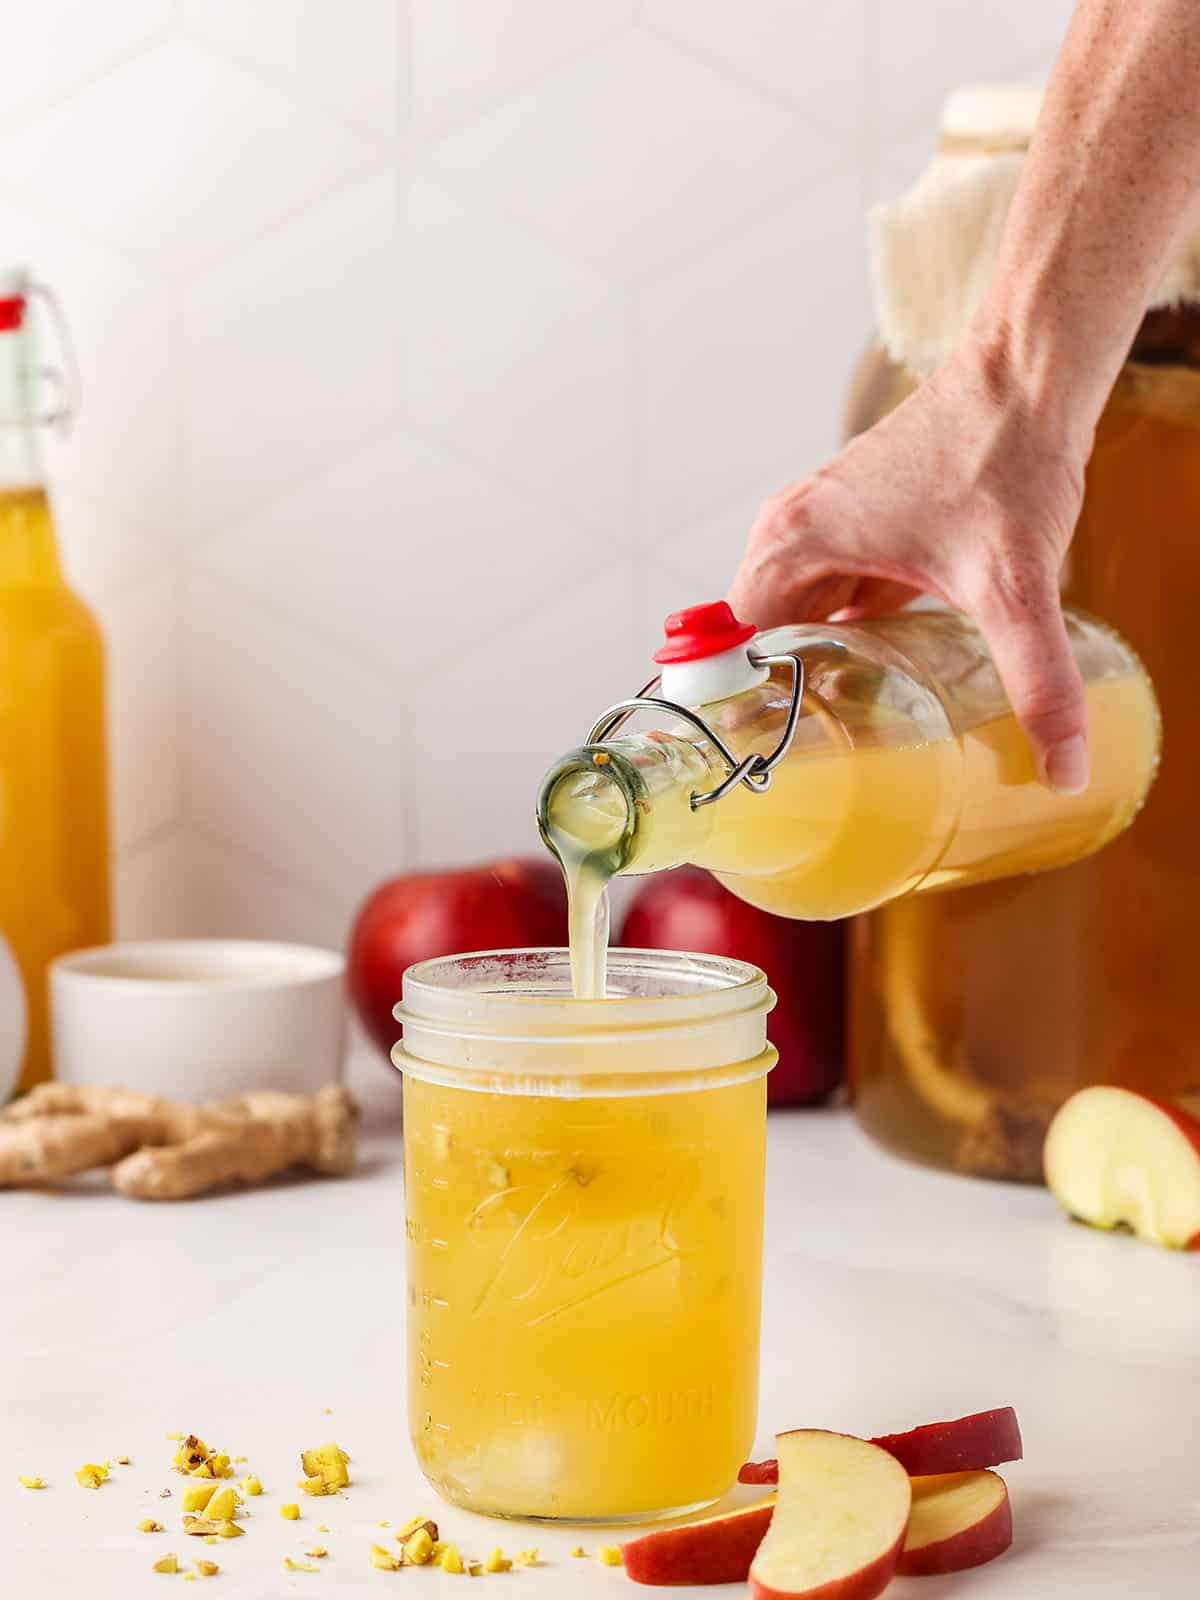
(753, 770)
(63, 382)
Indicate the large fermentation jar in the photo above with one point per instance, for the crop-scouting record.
(976, 1012)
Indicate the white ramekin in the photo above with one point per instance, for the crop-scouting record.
(199, 1019)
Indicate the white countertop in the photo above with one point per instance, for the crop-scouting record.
(894, 1296)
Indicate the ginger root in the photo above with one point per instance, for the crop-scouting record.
(166, 1150)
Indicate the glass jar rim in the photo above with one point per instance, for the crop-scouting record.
(508, 1016)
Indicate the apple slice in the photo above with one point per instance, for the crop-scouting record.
(967, 1444)
(1114, 1157)
(714, 1550)
(839, 1521)
(959, 1520)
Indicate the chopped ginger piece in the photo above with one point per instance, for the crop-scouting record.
(418, 1548)
(291, 1511)
(298, 1566)
(31, 1483)
(223, 1505)
(222, 1528)
(251, 1485)
(382, 1523)
(207, 1569)
(197, 1497)
(318, 1550)
(321, 1528)
(497, 1562)
(173, 1436)
(324, 1469)
(384, 1559)
(578, 1551)
(528, 1558)
(609, 1555)
(475, 1570)
(148, 1525)
(210, 1538)
(166, 1564)
(189, 1577)
(122, 1461)
(239, 1458)
(450, 1560)
(91, 1476)
(192, 1453)
(413, 1523)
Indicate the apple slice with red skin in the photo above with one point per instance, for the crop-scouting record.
(839, 1522)
(958, 1520)
(967, 1444)
(714, 1550)
(1116, 1158)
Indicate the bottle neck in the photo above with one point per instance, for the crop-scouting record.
(20, 453)
(625, 806)
(28, 552)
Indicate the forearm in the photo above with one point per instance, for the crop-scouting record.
(1109, 193)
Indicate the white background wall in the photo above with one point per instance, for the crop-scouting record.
(431, 353)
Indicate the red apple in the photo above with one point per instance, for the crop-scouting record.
(498, 905)
(686, 909)
(967, 1444)
(714, 1550)
(958, 1520)
(1115, 1158)
(839, 1521)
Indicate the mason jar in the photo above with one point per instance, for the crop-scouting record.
(584, 1184)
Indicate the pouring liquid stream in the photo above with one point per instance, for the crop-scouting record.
(585, 822)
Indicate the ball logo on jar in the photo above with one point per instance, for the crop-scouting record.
(557, 1257)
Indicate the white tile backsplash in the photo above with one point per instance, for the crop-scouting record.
(808, 56)
(144, 708)
(684, 154)
(290, 353)
(51, 47)
(432, 349)
(746, 351)
(295, 752)
(469, 54)
(177, 155)
(346, 59)
(520, 358)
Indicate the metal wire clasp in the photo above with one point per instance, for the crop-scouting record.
(63, 381)
(754, 770)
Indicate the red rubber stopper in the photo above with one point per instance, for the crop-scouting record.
(700, 631)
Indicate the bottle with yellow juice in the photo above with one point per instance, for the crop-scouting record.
(54, 852)
(821, 770)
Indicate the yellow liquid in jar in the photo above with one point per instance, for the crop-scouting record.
(54, 886)
(584, 1291)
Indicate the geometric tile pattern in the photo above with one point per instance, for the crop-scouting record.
(432, 349)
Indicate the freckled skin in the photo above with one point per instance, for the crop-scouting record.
(970, 489)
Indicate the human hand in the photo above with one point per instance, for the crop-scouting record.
(967, 491)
